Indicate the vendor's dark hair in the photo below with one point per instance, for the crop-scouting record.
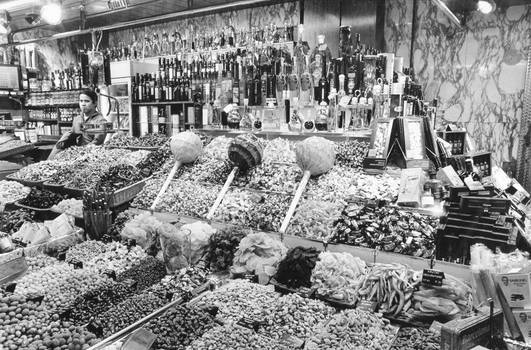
(93, 96)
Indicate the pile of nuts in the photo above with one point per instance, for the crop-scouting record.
(136, 157)
(314, 219)
(23, 321)
(240, 298)
(97, 300)
(353, 329)
(386, 228)
(296, 316)
(128, 312)
(40, 261)
(351, 153)
(12, 191)
(85, 251)
(179, 326)
(60, 284)
(230, 337)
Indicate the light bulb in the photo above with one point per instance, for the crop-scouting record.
(52, 13)
(486, 6)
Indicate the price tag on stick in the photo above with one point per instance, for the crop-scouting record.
(142, 339)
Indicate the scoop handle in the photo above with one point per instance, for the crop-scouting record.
(221, 193)
(295, 201)
(176, 166)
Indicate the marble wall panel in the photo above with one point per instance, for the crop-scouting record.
(243, 19)
(477, 73)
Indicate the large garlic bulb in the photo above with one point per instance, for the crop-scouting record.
(316, 155)
(186, 147)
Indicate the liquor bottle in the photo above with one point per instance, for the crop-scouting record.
(305, 94)
(135, 85)
(324, 88)
(263, 86)
(295, 120)
(162, 119)
(257, 88)
(249, 89)
(156, 90)
(293, 85)
(235, 82)
(52, 79)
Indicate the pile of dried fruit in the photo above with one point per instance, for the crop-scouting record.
(296, 268)
(11, 221)
(221, 248)
(314, 219)
(217, 148)
(145, 273)
(117, 177)
(179, 326)
(70, 206)
(42, 199)
(182, 282)
(117, 257)
(279, 150)
(184, 198)
(207, 170)
(338, 276)
(386, 228)
(37, 171)
(272, 177)
(148, 140)
(12, 191)
(253, 209)
(416, 339)
(155, 160)
(353, 329)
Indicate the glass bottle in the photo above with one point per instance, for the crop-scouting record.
(295, 121)
(321, 121)
(246, 121)
(234, 118)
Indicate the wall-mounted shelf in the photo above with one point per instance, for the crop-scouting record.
(64, 105)
(158, 103)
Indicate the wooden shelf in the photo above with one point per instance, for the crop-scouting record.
(43, 120)
(158, 103)
(65, 105)
(361, 134)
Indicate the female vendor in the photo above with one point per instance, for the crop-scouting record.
(88, 101)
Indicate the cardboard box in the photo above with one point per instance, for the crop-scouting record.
(411, 183)
(515, 288)
(523, 320)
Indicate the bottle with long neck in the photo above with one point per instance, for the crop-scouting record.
(324, 87)
(305, 95)
(249, 88)
(257, 88)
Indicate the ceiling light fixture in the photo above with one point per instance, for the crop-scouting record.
(52, 12)
(486, 6)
